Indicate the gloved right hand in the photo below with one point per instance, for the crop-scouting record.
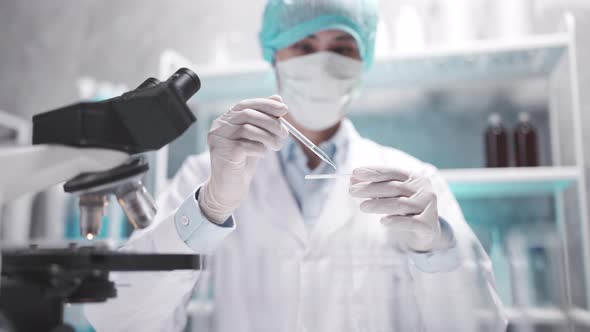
(237, 140)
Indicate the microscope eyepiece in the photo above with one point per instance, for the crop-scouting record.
(186, 82)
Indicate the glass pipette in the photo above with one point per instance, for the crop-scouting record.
(298, 135)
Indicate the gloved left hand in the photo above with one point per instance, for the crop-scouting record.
(408, 203)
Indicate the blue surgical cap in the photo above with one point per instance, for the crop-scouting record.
(285, 22)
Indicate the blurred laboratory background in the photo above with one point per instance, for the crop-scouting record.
(493, 92)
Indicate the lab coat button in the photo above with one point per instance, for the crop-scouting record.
(184, 220)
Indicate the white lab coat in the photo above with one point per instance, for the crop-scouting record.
(274, 274)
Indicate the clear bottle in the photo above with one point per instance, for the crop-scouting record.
(501, 266)
(409, 30)
(525, 142)
(496, 141)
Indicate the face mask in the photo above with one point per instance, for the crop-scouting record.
(319, 88)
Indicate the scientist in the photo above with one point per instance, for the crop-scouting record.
(383, 251)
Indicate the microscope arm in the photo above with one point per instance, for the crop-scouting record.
(34, 168)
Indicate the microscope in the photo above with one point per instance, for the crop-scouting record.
(93, 147)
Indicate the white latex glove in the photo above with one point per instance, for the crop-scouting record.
(408, 204)
(237, 140)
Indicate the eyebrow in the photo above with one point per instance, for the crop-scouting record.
(342, 37)
(345, 37)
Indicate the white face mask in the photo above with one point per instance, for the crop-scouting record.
(319, 88)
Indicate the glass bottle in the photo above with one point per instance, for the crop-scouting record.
(496, 141)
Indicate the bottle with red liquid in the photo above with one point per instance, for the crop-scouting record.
(496, 141)
(525, 142)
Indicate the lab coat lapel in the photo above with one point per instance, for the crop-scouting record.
(340, 208)
(280, 200)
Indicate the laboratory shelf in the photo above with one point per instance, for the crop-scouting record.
(510, 181)
(489, 60)
(580, 316)
(547, 316)
(536, 315)
(486, 60)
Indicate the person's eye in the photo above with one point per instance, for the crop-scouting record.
(304, 48)
(345, 51)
